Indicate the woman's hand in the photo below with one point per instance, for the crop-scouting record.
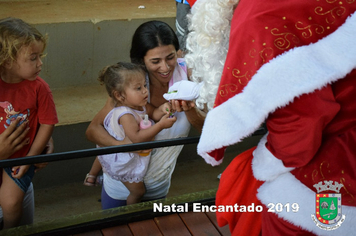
(49, 147)
(125, 141)
(195, 116)
(128, 141)
(13, 139)
(48, 150)
(182, 105)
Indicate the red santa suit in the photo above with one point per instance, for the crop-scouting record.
(292, 65)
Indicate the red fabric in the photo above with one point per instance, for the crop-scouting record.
(218, 153)
(301, 124)
(316, 132)
(262, 30)
(239, 178)
(31, 98)
(191, 2)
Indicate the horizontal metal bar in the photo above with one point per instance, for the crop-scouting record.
(97, 151)
(104, 150)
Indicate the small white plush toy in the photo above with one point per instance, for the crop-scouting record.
(183, 90)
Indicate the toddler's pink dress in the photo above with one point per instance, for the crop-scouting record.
(127, 166)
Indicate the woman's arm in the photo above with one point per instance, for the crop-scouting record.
(96, 132)
(195, 116)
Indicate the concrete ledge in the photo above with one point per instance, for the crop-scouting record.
(84, 36)
(79, 104)
(76, 53)
(64, 11)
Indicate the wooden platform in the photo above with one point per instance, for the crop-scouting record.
(182, 224)
(137, 220)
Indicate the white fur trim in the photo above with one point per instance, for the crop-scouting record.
(296, 72)
(265, 166)
(207, 46)
(211, 160)
(287, 189)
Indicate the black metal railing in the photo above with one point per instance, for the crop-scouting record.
(97, 151)
(104, 150)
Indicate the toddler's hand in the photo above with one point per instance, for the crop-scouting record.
(165, 107)
(19, 171)
(167, 121)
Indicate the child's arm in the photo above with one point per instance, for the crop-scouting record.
(137, 135)
(43, 135)
(156, 113)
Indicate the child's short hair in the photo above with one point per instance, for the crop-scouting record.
(14, 34)
(115, 76)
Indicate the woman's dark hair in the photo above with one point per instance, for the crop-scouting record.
(150, 35)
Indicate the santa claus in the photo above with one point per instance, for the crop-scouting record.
(291, 65)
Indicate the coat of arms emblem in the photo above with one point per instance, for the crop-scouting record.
(328, 206)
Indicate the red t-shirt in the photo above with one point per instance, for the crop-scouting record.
(31, 100)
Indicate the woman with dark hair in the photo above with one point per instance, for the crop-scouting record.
(154, 45)
(150, 35)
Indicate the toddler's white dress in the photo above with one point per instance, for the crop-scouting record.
(126, 166)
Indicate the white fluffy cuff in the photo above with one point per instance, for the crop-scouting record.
(265, 166)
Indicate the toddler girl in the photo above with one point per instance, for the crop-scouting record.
(126, 84)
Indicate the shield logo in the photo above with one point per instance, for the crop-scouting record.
(328, 208)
